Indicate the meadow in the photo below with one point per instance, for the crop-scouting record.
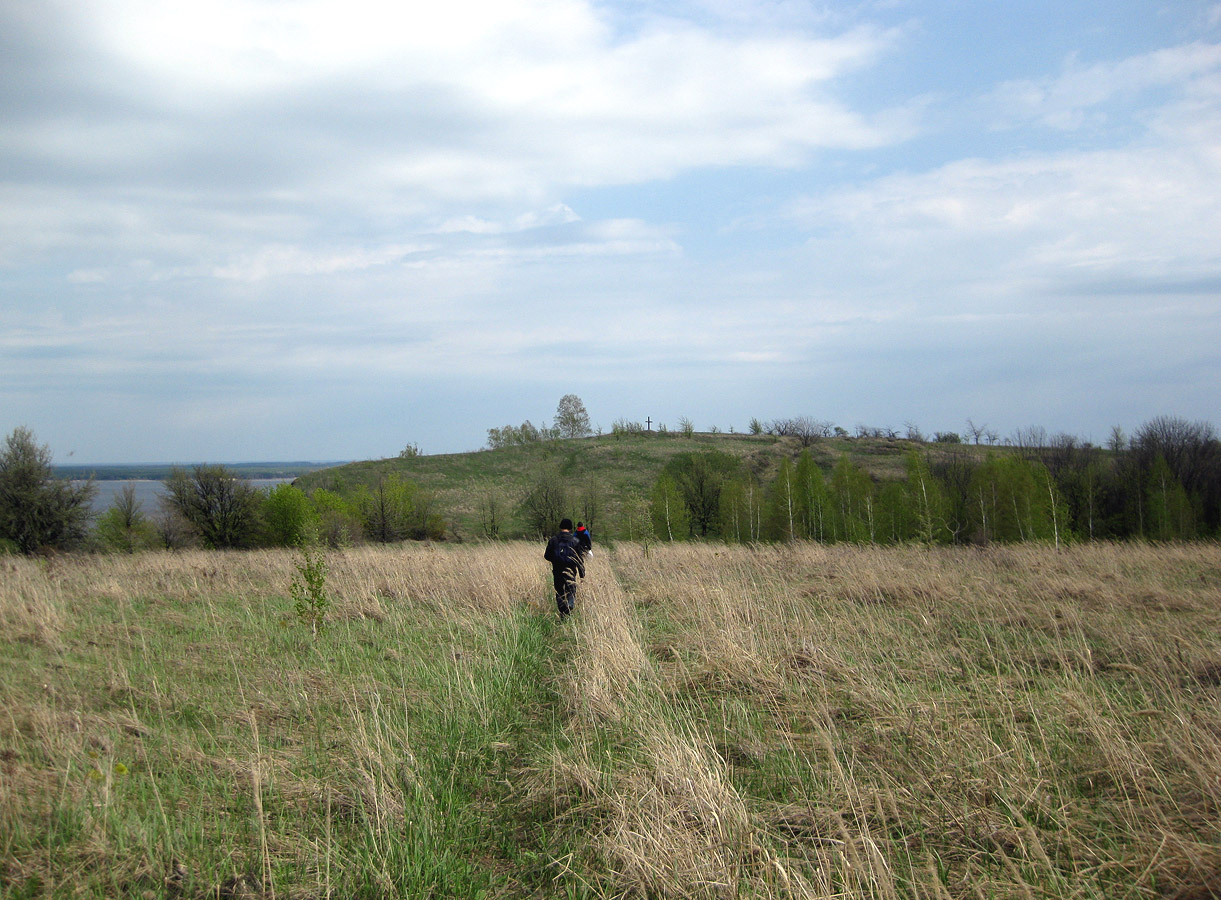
(789, 720)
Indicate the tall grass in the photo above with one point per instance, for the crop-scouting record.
(780, 721)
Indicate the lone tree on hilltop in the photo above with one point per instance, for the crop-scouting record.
(571, 419)
(36, 509)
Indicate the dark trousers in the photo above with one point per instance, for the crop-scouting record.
(565, 589)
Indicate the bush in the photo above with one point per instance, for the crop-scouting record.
(338, 523)
(124, 527)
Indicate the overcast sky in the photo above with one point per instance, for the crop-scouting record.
(323, 229)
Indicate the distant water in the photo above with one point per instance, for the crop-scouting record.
(150, 492)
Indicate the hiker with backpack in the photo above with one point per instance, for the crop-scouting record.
(564, 553)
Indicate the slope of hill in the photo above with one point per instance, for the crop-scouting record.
(618, 465)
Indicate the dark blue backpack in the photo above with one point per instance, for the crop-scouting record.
(567, 552)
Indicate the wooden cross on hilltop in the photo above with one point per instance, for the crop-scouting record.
(648, 423)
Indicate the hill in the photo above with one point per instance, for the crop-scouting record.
(616, 465)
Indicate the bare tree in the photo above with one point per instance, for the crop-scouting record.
(1032, 441)
(1190, 449)
(493, 509)
(806, 430)
(221, 506)
(545, 504)
(975, 431)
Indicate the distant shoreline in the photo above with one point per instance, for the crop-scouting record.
(161, 471)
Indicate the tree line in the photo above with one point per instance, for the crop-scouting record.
(1162, 484)
(207, 505)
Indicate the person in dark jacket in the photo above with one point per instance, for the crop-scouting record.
(585, 539)
(564, 553)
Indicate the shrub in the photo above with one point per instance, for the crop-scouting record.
(308, 590)
(338, 523)
(125, 527)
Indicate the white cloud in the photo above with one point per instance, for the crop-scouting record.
(989, 233)
(552, 93)
(557, 214)
(1074, 98)
(277, 259)
(234, 137)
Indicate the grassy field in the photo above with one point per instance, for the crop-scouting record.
(781, 721)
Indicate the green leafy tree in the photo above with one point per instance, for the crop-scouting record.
(926, 501)
(1014, 499)
(38, 510)
(637, 521)
(222, 507)
(338, 521)
(853, 502)
(387, 510)
(668, 510)
(741, 509)
(1192, 452)
(288, 516)
(895, 519)
(1080, 479)
(571, 418)
(1169, 511)
(699, 478)
(783, 506)
(124, 526)
(311, 601)
(813, 501)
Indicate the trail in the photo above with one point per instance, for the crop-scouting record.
(638, 788)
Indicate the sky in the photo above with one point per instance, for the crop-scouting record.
(323, 230)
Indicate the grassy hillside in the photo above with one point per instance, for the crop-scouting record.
(618, 464)
(791, 721)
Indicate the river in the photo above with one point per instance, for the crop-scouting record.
(149, 492)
